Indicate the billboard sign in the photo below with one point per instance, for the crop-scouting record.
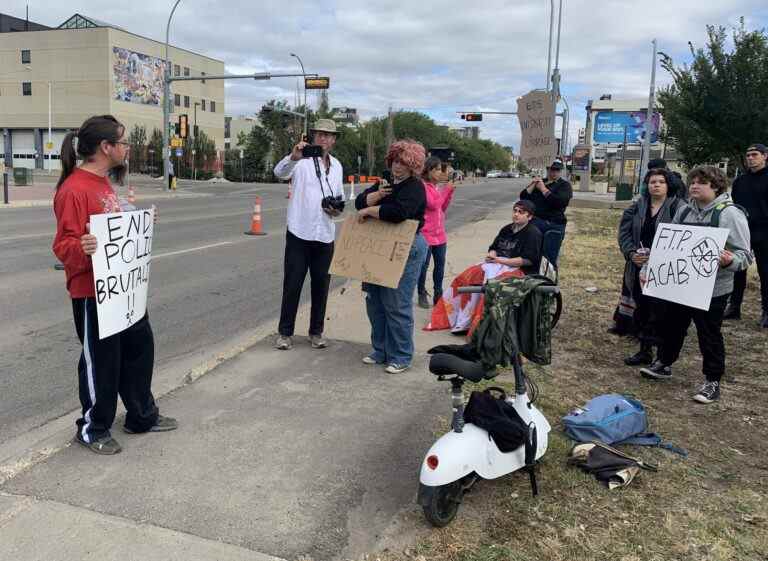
(609, 127)
(580, 160)
(138, 78)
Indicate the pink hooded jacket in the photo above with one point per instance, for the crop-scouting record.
(438, 200)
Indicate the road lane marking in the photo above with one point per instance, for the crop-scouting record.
(191, 249)
(26, 237)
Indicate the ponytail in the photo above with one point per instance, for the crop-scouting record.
(68, 157)
(89, 136)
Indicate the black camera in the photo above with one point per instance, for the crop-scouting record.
(312, 151)
(333, 203)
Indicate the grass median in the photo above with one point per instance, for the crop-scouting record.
(709, 506)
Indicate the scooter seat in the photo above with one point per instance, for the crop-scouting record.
(443, 364)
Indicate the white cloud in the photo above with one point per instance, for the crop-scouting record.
(437, 57)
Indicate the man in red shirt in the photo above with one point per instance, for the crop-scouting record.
(122, 363)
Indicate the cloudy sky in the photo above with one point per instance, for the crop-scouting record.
(438, 57)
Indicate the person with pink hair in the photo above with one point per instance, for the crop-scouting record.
(390, 310)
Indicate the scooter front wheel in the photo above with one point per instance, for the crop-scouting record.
(442, 503)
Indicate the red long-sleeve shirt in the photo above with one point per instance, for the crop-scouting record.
(81, 195)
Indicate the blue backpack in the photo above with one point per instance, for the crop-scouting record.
(614, 419)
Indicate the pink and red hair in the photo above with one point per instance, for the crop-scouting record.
(410, 153)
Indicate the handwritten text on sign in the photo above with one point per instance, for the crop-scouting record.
(684, 263)
(121, 268)
(373, 251)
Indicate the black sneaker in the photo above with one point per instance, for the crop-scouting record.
(640, 357)
(709, 393)
(163, 424)
(657, 371)
(424, 300)
(105, 446)
(732, 312)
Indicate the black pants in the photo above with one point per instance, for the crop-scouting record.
(740, 278)
(708, 323)
(302, 256)
(118, 365)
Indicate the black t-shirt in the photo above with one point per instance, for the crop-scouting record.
(526, 244)
(648, 229)
(408, 201)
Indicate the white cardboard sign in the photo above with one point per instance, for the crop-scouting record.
(121, 267)
(684, 263)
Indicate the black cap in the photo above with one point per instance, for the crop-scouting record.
(759, 147)
(657, 163)
(527, 205)
(557, 165)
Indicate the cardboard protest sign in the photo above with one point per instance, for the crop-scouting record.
(684, 263)
(373, 251)
(536, 113)
(121, 267)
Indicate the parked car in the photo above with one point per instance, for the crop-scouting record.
(493, 173)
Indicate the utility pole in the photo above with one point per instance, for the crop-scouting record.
(49, 143)
(390, 138)
(646, 152)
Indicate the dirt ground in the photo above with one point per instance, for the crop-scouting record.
(710, 506)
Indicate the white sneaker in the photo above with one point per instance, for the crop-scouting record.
(397, 368)
(369, 360)
(284, 343)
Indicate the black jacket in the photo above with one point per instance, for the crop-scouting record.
(632, 224)
(552, 207)
(408, 201)
(750, 190)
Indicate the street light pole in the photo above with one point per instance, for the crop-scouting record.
(167, 99)
(549, 50)
(48, 144)
(306, 109)
(645, 155)
(194, 141)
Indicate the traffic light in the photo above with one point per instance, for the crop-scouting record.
(472, 116)
(183, 126)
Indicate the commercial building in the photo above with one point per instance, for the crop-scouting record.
(234, 126)
(345, 115)
(471, 133)
(58, 77)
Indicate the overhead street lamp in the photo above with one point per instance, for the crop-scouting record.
(306, 109)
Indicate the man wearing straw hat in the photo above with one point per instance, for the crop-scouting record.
(311, 231)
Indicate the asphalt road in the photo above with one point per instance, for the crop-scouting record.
(209, 284)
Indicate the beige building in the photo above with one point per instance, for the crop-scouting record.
(86, 67)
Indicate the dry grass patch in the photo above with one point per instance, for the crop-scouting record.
(708, 507)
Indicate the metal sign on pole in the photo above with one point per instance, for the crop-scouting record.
(646, 152)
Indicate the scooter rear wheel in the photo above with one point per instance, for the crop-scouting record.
(443, 504)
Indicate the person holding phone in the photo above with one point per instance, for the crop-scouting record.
(550, 198)
(316, 180)
(390, 310)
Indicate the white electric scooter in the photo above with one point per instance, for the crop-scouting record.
(467, 454)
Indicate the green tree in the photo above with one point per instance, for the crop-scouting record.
(716, 106)
(255, 146)
(138, 141)
(201, 155)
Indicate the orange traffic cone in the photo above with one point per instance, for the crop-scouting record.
(256, 220)
(131, 195)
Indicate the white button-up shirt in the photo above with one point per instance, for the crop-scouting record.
(306, 218)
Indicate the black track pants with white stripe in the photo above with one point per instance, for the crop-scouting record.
(118, 365)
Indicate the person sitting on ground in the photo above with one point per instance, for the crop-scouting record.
(550, 199)
(637, 313)
(708, 194)
(438, 199)
(515, 252)
(390, 310)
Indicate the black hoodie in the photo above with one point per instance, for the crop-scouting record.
(750, 190)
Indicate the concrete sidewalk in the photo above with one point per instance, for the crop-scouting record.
(306, 454)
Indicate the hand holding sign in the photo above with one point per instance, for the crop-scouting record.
(88, 241)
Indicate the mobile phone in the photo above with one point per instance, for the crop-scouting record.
(312, 151)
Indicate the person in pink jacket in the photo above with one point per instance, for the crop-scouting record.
(438, 199)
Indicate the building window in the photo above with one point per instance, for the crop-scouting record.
(186, 101)
(186, 71)
(213, 107)
(177, 100)
(176, 70)
(26, 57)
(202, 74)
(202, 104)
(26, 88)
